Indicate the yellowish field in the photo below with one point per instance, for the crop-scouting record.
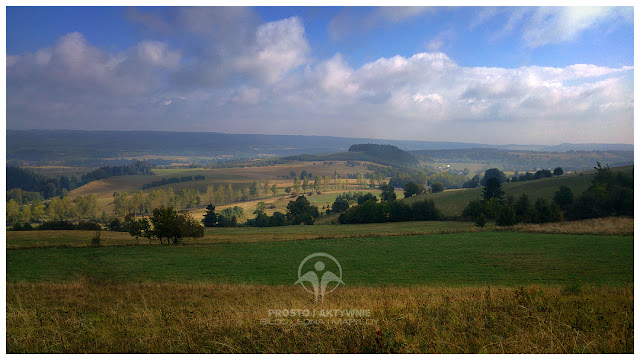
(278, 175)
(279, 203)
(603, 226)
(86, 317)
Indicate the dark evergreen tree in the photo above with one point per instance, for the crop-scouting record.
(492, 189)
(210, 217)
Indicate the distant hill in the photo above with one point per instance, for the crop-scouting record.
(385, 154)
(522, 160)
(99, 148)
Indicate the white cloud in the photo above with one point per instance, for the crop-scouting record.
(280, 47)
(270, 79)
(156, 53)
(440, 40)
(540, 26)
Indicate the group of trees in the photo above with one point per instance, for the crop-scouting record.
(390, 211)
(510, 211)
(478, 180)
(537, 175)
(58, 225)
(299, 211)
(173, 180)
(81, 207)
(610, 194)
(344, 200)
(164, 225)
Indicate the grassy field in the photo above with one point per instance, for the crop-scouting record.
(459, 259)
(85, 317)
(453, 289)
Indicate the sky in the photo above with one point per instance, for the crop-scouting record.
(492, 75)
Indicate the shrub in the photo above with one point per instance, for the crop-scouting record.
(95, 240)
(57, 225)
(437, 187)
(22, 227)
(88, 225)
(507, 216)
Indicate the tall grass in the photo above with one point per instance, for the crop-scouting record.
(604, 226)
(85, 317)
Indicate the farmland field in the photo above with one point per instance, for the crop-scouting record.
(470, 291)
(458, 259)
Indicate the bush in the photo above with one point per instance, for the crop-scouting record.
(22, 227)
(224, 221)
(340, 205)
(57, 225)
(277, 219)
(425, 210)
(507, 216)
(115, 225)
(437, 187)
(88, 225)
(544, 212)
(95, 240)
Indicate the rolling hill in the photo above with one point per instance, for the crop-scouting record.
(452, 202)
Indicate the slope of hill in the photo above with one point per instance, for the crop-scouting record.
(452, 202)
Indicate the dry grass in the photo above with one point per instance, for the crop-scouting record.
(86, 317)
(604, 226)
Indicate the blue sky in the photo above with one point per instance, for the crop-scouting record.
(488, 75)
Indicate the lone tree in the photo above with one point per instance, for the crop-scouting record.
(493, 173)
(412, 189)
(558, 171)
(492, 189)
(171, 226)
(210, 218)
(437, 187)
(340, 205)
(388, 192)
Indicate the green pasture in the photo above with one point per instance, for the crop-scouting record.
(459, 259)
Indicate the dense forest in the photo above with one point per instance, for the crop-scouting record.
(387, 154)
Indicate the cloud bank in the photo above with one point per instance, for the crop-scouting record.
(261, 78)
